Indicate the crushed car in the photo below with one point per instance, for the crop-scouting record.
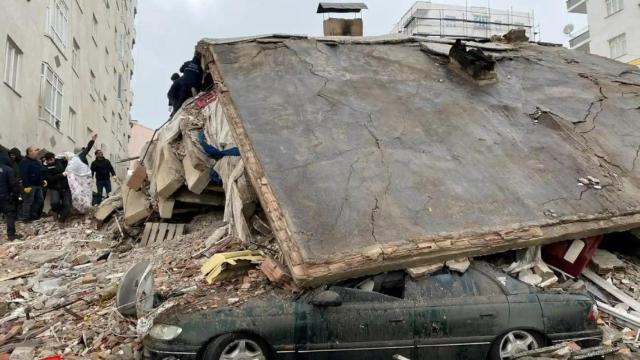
(482, 313)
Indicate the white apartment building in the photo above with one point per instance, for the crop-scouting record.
(66, 70)
(430, 19)
(613, 30)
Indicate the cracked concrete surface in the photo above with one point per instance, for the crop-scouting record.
(381, 147)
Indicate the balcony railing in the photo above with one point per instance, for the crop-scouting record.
(577, 6)
(584, 36)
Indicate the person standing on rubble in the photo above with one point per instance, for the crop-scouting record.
(102, 169)
(16, 158)
(191, 80)
(33, 180)
(79, 177)
(9, 192)
(174, 93)
(59, 191)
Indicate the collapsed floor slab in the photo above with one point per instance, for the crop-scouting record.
(373, 156)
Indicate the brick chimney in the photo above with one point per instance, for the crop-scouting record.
(341, 26)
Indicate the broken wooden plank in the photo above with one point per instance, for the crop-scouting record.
(171, 232)
(154, 233)
(146, 233)
(17, 275)
(162, 232)
(179, 230)
(617, 293)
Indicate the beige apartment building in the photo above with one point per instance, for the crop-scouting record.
(67, 69)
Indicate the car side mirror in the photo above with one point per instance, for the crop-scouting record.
(327, 298)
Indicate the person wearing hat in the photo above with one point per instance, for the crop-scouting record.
(102, 170)
(59, 191)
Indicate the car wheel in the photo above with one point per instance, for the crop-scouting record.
(514, 342)
(237, 347)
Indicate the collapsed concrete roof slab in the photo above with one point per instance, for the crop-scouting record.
(375, 156)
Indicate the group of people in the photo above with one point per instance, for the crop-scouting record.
(66, 179)
(190, 83)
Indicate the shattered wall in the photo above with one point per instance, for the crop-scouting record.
(373, 155)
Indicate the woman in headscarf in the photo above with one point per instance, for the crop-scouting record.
(79, 177)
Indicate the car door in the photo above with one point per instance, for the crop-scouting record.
(457, 315)
(367, 325)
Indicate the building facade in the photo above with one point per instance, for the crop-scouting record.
(613, 29)
(67, 69)
(429, 19)
(140, 135)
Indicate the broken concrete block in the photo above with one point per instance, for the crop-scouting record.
(42, 256)
(165, 207)
(527, 276)
(460, 265)
(197, 180)
(420, 271)
(604, 262)
(170, 175)
(22, 353)
(138, 177)
(136, 206)
(108, 206)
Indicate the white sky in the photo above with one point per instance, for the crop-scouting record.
(168, 30)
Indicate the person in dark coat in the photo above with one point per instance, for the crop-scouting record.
(33, 181)
(85, 150)
(174, 93)
(191, 80)
(58, 186)
(16, 157)
(102, 170)
(9, 191)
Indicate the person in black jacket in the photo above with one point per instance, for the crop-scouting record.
(58, 186)
(9, 191)
(174, 93)
(32, 173)
(16, 157)
(191, 80)
(85, 150)
(101, 168)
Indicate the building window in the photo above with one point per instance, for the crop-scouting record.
(92, 85)
(120, 90)
(613, 6)
(122, 44)
(51, 107)
(73, 124)
(618, 46)
(12, 58)
(106, 4)
(58, 21)
(94, 30)
(75, 56)
(449, 21)
(481, 21)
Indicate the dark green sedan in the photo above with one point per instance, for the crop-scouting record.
(481, 314)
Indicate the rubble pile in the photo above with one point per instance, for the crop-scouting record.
(58, 286)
